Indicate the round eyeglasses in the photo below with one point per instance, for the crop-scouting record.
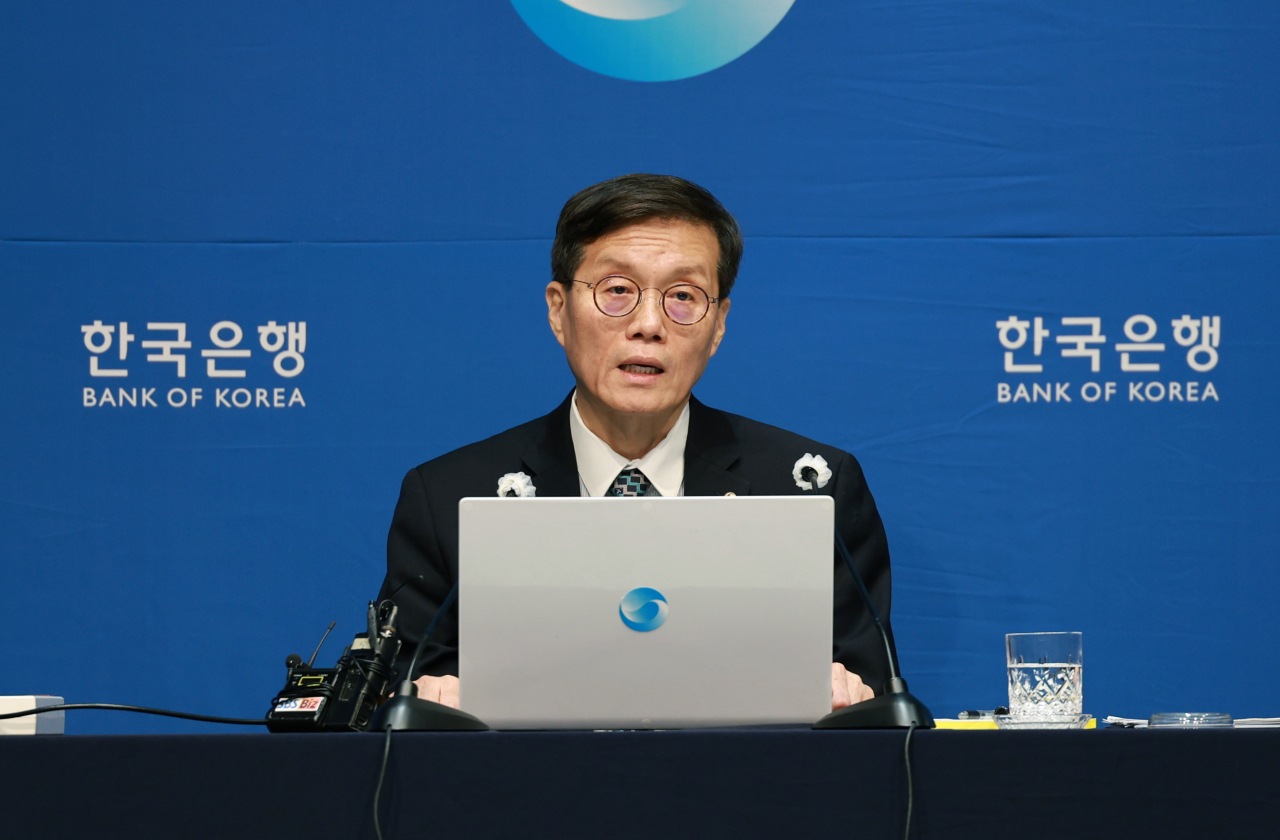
(617, 296)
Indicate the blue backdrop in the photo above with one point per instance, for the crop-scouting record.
(907, 176)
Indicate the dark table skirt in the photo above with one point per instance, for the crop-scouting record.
(646, 785)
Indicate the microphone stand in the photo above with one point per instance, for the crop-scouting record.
(407, 712)
(897, 708)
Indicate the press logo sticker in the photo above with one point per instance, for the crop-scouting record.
(652, 40)
(300, 704)
(643, 609)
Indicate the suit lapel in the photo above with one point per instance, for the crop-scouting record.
(709, 452)
(550, 456)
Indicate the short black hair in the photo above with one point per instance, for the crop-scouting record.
(611, 205)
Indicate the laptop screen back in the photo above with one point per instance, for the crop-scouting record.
(603, 613)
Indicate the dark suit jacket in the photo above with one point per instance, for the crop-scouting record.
(724, 453)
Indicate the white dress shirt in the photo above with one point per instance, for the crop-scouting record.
(599, 465)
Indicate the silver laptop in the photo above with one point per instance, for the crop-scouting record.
(602, 613)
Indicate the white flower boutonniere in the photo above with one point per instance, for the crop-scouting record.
(518, 485)
(818, 463)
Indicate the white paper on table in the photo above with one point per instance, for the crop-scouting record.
(1240, 723)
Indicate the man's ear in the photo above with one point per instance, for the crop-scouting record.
(557, 308)
(722, 314)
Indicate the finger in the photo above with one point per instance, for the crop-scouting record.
(858, 690)
(449, 692)
(839, 687)
(428, 689)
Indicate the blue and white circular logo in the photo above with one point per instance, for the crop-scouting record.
(652, 40)
(643, 609)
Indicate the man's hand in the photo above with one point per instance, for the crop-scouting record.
(444, 690)
(847, 688)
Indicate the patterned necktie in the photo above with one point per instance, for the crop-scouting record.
(632, 483)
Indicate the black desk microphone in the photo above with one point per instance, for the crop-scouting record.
(896, 708)
(407, 712)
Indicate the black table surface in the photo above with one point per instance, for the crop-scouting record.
(766, 783)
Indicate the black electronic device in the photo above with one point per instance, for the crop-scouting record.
(342, 698)
(896, 708)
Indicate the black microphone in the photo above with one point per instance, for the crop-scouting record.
(407, 712)
(896, 708)
(316, 652)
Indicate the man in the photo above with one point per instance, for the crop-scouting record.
(642, 267)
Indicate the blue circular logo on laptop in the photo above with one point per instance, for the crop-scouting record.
(652, 40)
(643, 609)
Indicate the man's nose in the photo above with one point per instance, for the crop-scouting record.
(647, 319)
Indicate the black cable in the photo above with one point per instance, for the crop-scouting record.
(871, 607)
(396, 591)
(116, 707)
(906, 755)
(430, 631)
(413, 666)
(810, 475)
(377, 791)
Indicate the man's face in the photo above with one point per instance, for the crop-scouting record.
(642, 363)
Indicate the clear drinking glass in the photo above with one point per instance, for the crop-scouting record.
(1045, 674)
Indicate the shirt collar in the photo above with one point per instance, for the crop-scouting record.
(599, 465)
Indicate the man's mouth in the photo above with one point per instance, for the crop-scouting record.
(640, 368)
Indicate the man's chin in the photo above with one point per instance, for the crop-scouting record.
(644, 404)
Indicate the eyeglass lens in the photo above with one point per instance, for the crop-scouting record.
(684, 304)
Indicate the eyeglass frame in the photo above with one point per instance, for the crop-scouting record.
(662, 298)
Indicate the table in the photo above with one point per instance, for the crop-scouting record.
(746, 783)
